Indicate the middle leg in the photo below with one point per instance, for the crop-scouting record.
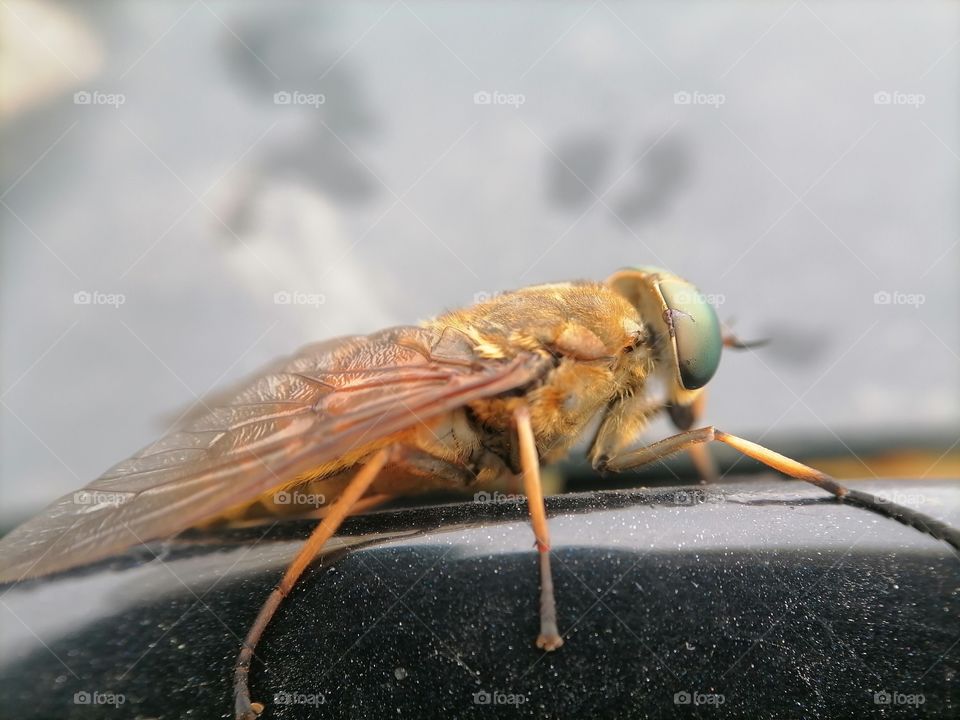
(549, 637)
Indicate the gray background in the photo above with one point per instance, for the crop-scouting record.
(793, 202)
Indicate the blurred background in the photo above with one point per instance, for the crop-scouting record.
(189, 190)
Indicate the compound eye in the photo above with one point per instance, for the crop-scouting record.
(696, 330)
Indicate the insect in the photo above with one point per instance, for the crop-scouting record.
(464, 400)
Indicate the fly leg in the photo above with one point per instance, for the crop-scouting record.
(692, 438)
(549, 638)
(410, 468)
(245, 710)
(419, 463)
(685, 417)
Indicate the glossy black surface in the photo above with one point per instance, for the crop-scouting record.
(765, 594)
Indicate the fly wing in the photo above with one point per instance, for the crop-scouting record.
(331, 403)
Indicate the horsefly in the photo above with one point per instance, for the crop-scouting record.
(466, 400)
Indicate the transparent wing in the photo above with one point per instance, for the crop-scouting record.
(330, 404)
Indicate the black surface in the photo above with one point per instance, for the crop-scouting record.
(786, 603)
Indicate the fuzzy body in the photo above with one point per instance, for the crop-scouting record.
(443, 396)
(599, 355)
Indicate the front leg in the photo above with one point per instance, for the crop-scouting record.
(685, 417)
(691, 438)
(626, 417)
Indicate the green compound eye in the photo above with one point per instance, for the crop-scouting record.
(662, 297)
(696, 330)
